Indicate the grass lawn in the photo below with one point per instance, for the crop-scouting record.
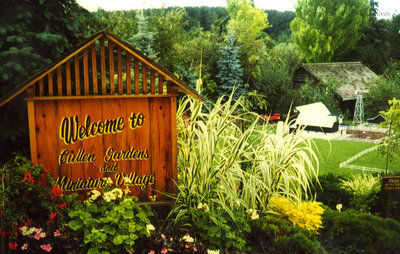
(332, 153)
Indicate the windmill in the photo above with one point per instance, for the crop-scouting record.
(359, 108)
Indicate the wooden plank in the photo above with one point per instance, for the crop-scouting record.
(128, 74)
(174, 144)
(41, 87)
(32, 131)
(77, 76)
(94, 70)
(119, 62)
(59, 81)
(136, 75)
(111, 64)
(160, 84)
(103, 67)
(152, 81)
(176, 81)
(139, 139)
(68, 77)
(85, 72)
(50, 83)
(144, 78)
(169, 86)
(94, 97)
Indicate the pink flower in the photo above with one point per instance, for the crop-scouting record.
(46, 247)
(194, 249)
(171, 239)
(187, 246)
(37, 236)
(24, 247)
(57, 233)
(164, 250)
(152, 252)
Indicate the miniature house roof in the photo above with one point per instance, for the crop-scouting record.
(315, 114)
(351, 76)
(102, 65)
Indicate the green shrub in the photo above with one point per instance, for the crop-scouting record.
(354, 232)
(108, 222)
(331, 193)
(271, 234)
(363, 189)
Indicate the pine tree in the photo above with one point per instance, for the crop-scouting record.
(230, 71)
(144, 39)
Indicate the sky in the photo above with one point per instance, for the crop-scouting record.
(386, 9)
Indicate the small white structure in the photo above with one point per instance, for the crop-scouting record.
(316, 117)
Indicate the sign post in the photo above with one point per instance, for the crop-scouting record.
(390, 184)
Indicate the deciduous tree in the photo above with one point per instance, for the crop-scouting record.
(326, 28)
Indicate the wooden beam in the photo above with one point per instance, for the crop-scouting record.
(103, 67)
(128, 74)
(50, 83)
(152, 82)
(111, 64)
(94, 69)
(136, 62)
(77, 76)
(32, 131)
(59, 81)
(144, 78)
(119, 68)
(68, 77)
(160, 84)
(85, 72)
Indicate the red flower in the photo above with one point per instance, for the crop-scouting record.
(55, 192)
(62, 205)
(53, 216)
(12, 246)
(28, 177)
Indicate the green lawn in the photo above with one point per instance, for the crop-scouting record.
(332, 153)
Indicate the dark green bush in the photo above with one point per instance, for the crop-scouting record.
(271, 234)
(354, 232)
(331, 193)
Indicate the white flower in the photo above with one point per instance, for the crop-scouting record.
(188, 238)
(339, 207)
(149, 228)
(108, 180)
(117, 192)
(95, 194)
(212, 251)
(203, 207)
(253, 214)
(109, 196)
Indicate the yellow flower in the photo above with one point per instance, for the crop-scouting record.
(339, 207)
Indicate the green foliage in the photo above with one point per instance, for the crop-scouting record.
(323, 29)
(110, 222)
(353, 232)
(279, 29)
(168, 28)
(331, 192)
(217, 229)
(247, 23)
(144, 39)
(391, 147)
(120, 23)
(386, 88)
(230, 71)
(363, 189)
(311, 93)
(271, 234)
(232, 169)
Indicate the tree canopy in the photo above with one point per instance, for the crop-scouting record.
(326, 28)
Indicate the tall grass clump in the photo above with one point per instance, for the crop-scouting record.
(230, 162)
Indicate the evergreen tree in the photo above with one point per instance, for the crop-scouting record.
(230, 71)
(144, 39)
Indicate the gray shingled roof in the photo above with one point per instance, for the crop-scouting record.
(351, 76)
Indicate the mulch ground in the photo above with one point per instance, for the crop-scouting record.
(366, 134)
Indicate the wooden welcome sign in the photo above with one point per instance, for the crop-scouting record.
(105, 111)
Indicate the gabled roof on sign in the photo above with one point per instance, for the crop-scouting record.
(81, 46)
(351, 76)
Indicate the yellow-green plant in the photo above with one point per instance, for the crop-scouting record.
(224, 165)
(363, 188)
(306, 215)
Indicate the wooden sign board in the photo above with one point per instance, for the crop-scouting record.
(391, 183)
(130, 140)
(105, 111)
